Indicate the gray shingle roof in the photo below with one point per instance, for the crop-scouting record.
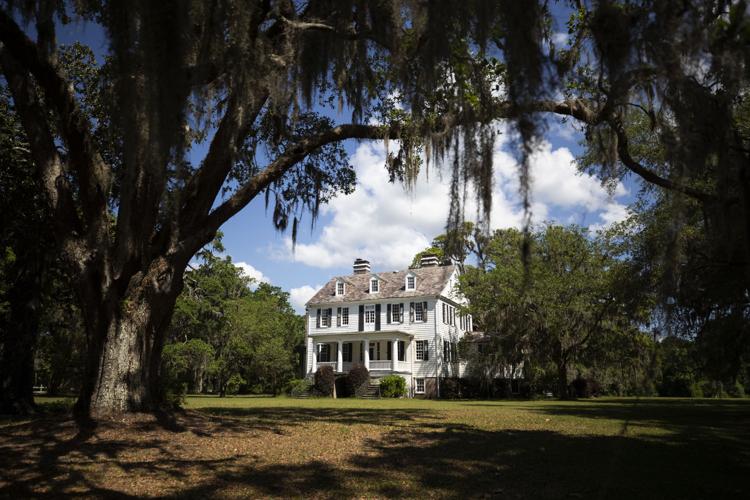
(430, 282)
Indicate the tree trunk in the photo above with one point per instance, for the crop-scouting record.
(562, 380)
(17, 366)
(18, 341)
(126, 335)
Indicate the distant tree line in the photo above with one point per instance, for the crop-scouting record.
(575, 313)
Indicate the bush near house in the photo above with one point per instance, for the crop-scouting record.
(325, 381)
(357, 377)
(298, 386)
(392, 386)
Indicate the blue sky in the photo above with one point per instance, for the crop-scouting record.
(387, 225)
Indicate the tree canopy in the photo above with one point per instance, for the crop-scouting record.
(129, 210)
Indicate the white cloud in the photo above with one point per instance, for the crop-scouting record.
(560, 39)
(300, 295)
(252, 272)
(386, 225)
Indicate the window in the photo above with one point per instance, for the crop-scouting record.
(374, 285)
(401, 350)
(324, 352)
(419, 312)
(370, 314)
(422, 353)
(411, 282)
(450, 351)
(347, 352)
(325, 318)
(339, 288)
(396, 313)
(345, 316)
(449, 315)
(377, 345)
(419, 383)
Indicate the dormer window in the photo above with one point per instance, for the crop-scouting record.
(374, 285)
(411, 282)
(339, 288)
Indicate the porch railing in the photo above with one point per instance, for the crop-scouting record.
(380, 365)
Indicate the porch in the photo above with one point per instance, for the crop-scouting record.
(379, 355)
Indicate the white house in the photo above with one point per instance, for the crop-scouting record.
(402, 322)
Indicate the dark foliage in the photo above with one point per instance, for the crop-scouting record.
(582, 387)
(357, 377)
(325, 381)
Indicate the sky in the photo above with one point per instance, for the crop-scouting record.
(386, 224)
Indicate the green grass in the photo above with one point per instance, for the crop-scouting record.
(281, 447)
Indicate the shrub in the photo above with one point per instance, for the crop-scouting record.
(736, 390)
(450, 388)
(234, 383)
(584, 387)
(298, 386)
(356, 378)
(696, 390)
(392, 386)
(680, 386)
(325, 381)
(712, 389)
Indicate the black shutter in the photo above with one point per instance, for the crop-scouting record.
(411, 312)
(388, 315)
(401, 349)
(338, 316)
(424, 312)
(389, 350)
(426, 350)
(377, 316)
(361, 318)
(317, 323)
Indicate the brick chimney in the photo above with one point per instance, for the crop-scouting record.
(361, 266)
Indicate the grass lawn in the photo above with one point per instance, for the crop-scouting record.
(262, 446)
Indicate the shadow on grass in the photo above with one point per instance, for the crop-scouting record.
(417, 453)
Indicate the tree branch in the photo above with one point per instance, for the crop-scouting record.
(42, 148)
(650, 176)
(205, 184)
(283, 163)
(94, 177)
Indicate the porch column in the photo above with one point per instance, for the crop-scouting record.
(314, 366)
(340, 357)
(394, 355)
(367, 353)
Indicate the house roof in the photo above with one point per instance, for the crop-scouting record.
(430, 282)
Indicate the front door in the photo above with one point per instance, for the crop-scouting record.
(370, 318)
